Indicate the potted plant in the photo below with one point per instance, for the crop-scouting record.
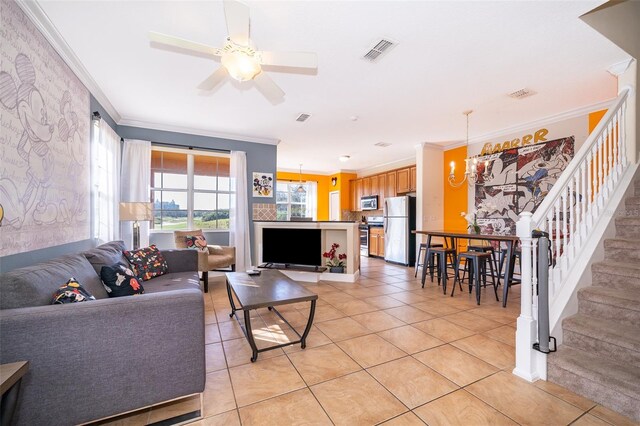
(472, 216)
(335, 262)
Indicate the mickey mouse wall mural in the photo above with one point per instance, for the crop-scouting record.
(29, 199)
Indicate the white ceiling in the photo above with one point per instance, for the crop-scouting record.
(451, 56)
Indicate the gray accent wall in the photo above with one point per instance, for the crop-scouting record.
(260, 158)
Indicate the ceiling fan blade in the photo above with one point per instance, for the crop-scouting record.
(184, 44)
(214, 79)
(290, 59)
(237, 15)
(269, 88)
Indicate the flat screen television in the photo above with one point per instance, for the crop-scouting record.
(292, 246)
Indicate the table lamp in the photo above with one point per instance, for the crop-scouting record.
(135, 211)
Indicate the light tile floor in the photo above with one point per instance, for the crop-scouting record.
(382, 350)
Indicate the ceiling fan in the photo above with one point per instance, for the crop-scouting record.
(240, 59)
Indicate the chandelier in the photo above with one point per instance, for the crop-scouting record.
(471, 174)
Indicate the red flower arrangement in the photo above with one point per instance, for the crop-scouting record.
(332, 259)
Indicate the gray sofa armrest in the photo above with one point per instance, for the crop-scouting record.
(99, 358)
(181, 260)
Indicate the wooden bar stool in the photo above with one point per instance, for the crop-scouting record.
(423, 249)
(475, 261)
(440, 254)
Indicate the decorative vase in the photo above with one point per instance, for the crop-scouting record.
(336, 269)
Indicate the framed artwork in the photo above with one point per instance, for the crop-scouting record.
(262, 184)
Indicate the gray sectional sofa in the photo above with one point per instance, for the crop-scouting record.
(99, 358)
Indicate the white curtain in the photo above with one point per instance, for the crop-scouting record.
(239, 236)
(136, 184)
(105, 154)
(312, 200)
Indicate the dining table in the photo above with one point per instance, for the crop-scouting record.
(510, 241)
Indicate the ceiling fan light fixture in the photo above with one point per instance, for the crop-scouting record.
(242, 63)
(344, 158)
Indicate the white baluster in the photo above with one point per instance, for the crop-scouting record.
(557, 234)
(616, 142)
(623, 135)
(600, 175)
(583, 200)
(565, 228)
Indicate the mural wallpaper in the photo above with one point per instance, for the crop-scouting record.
(44, 143)
(518, 180)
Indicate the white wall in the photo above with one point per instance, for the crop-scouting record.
(429, 188)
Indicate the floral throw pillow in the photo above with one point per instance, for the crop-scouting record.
(197, 242)
(147, 262)
(71, 292)
(119, 280)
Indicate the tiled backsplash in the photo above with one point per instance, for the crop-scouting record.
(263, 211)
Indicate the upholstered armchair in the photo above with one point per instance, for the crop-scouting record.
(215, 258)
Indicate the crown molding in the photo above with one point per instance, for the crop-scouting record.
(197, 132)
(39, 18)
(367, 171)
(533, 124)
(619, 68)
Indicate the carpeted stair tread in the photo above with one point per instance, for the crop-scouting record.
(622, 243)
(618, 268)
(622, 377)
(632, 201)
(622, 298)
(610, 332)
(628, 220)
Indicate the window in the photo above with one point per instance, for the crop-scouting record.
(105, 168)
(190, 190)
(291, 203)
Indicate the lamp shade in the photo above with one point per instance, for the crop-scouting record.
(136, 210)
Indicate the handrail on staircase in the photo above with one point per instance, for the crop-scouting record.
(578, 158)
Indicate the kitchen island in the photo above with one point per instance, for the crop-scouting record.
(341, 232)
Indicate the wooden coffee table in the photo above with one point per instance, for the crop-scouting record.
(269, 289)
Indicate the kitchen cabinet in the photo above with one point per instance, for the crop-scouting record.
(403, 181)
(374, 185)
(376, 241)
(366, 187)
(391, 185)
(358, 194)
(382, 188)
(412, 178)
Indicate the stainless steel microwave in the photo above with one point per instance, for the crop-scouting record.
(369, 203)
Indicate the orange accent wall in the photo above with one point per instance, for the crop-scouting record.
(324, 186)
(594, 119)
(455, 199)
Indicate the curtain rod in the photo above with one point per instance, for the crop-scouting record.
(174, 145)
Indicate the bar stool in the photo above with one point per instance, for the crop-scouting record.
(473, 261)
(441, 254)
(486, 249)
(423, 248)
(517, 254)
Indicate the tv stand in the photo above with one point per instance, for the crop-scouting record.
(289, 267)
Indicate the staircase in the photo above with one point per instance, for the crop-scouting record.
(600, 356)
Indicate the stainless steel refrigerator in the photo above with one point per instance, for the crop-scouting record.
(399, 221)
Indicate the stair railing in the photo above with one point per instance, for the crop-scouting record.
(568, 213)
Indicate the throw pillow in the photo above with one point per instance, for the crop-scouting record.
(71, 292)
(147, 262)
(119, 280)
(196, 242)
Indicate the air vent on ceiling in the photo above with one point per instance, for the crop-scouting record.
(382, 144)
(382, 46)
(303, 117)
(522, 93)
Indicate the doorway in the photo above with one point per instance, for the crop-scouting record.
(334, 205)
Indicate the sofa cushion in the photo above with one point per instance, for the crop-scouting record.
(119, 280)
(147, 262)
(106, 255)
(35, 285)
(173, 281)
(71, 292)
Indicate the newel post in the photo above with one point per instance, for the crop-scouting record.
(528, 362)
